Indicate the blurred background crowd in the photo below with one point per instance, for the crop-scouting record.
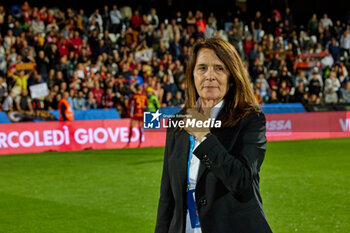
(98, 58)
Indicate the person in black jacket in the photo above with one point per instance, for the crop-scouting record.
(210, 180)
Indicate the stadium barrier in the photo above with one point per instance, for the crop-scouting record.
(327, 107)
(102, 114)
(112, 134)
(309, 125)
(74, 135)
(283, 108)
(92, 114)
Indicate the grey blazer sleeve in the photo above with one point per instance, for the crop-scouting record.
(237, 171)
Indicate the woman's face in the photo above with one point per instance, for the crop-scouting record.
(210, 76)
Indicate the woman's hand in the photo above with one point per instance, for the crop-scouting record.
(197, 132)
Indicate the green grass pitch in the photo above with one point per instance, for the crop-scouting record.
(305, 186)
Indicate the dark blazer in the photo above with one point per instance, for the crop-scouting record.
(227, 192)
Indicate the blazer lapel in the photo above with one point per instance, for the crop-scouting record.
(182, 142)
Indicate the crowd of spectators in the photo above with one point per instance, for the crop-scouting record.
(94, 58)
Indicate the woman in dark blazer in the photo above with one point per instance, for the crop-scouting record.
(210, 181)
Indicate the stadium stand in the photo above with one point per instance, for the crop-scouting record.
(100, 57)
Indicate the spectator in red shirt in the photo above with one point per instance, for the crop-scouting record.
(98, 93)
(136, 20)
(63, 46)
(43, 14)
(201, 22)
(248, 45)
(50, 16)
(273, 80)
(76, 42)
(109, 100)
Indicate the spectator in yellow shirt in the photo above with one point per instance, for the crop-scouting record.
(21, 82)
